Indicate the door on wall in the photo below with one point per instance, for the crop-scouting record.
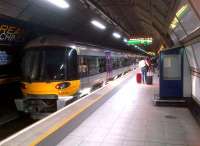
(171, 73)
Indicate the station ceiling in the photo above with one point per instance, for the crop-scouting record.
(128, 17)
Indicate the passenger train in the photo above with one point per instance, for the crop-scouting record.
(56, 71)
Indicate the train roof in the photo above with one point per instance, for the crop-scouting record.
(63, 41)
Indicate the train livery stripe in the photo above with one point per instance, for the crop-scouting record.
(63, 122)
(43, 88)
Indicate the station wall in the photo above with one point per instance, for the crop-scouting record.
(193, 53)
(185, 31)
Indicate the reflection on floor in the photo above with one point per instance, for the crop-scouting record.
(129, 118)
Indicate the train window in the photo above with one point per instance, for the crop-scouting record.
(54, 64)
(93, 64)
(72, 65)
(83, 66)
(114, 63)
(43, 64)
(30, 65)
(102, 64)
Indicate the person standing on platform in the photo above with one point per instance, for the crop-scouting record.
(143, 65)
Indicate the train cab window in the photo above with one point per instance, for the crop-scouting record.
(54, 66)
(30, 65)
(49, 64)
(72, 65)
(42, 64)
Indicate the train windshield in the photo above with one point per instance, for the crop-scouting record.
(49, 64)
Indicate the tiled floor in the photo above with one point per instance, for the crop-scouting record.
(129, 118)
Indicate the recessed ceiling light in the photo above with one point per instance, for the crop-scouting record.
(98, 24)
(116, 35)
(60, 3)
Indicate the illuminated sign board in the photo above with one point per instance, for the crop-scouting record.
(140, 41)
(11, 33)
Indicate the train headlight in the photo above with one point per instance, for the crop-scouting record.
(62, 85)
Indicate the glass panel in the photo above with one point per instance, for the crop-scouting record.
(197, 53)
(190, 56)
(172, 67)
(72, 69)
(83, 66)
(181, 11)
(174, 38)
(179, 32)
(44, 64)
(93, 65)
(189, 21)
(8, 61)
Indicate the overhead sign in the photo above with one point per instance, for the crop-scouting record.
(140, 41)
(13, 31)
(11, 34)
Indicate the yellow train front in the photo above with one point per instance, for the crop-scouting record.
(49, 78)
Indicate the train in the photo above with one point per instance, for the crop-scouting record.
(56, 71)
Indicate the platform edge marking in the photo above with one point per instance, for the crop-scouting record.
(62, 123)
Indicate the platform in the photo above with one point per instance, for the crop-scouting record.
(122, 113)
(129, 118)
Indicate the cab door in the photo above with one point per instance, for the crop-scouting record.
(171, 73)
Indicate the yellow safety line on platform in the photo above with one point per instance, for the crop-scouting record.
(62, 123)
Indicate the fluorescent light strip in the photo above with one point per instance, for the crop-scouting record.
(98, 24)
(60, 3)
(116, 35)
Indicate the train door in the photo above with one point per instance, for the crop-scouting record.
(171, 73)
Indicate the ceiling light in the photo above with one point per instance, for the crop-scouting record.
(60, 3)
(73, 46)
(98, 24)
(116, 35)
(125, 40)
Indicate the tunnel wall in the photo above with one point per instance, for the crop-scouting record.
(14, 34)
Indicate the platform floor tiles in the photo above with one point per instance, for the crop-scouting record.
(129, 118)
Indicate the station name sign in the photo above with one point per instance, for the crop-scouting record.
(11, 34)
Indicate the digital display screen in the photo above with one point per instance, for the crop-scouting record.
(5, 58)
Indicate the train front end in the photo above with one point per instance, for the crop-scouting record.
(50, 79)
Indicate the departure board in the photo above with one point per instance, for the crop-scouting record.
(5, 58)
